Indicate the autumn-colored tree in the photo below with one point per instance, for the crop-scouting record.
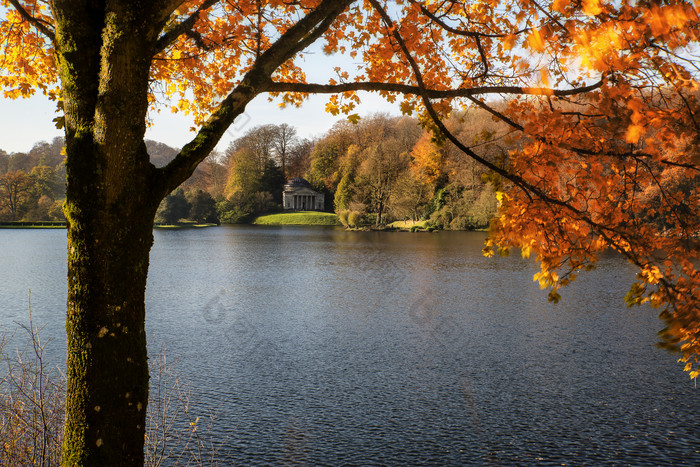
(426, 160)
(573, 189)
(626, 67)
(48, 154)
(21, 161)
(409, 198)
(15, 190)
(381, 166)
(214, 172)
(298, 159)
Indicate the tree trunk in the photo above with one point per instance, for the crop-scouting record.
(103, 51)
(108, 266)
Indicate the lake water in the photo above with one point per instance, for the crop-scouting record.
(324, 347)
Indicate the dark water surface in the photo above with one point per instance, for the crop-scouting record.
(324, 347)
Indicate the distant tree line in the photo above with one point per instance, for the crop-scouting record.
(384, 169)
(375, 171)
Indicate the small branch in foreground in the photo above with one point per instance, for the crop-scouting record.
(41, 25)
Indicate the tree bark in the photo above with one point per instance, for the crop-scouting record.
(111, 199)
(107, 359)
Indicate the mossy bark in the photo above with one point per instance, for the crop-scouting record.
(111, 198)
(107, 360)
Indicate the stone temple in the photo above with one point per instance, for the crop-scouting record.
(299, 196)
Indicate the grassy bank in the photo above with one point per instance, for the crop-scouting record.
(183, 225)
(298, 218)
(407, 225)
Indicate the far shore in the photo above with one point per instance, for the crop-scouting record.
(33, 225)
(299, 218)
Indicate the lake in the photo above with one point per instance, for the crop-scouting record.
(319, 346)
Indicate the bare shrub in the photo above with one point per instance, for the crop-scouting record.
(32, 401)
(174, 434)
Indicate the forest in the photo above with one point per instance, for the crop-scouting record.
(373, 171)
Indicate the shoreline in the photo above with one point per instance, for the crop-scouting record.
(297, 218)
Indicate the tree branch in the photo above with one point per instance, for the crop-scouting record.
(303, 33)
(41, 25)
(313, 88)
(459, 32)
(181, 28)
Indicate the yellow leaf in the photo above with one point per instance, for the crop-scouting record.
(634, 132)
(332, 108)
(535, 40)
(591, 7)
(560, 5)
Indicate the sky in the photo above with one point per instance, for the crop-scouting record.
(24, 122)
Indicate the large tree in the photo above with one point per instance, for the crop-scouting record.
(15, 189)
(602, 96)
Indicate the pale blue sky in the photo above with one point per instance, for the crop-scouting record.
(24, 122)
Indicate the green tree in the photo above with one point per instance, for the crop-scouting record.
(323, 172)
(202, 207)
(173, 208)
(244, 174)
(45, 182)
(344, 193)
(484, 207)
(272, 181)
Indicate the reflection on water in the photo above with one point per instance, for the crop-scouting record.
(320, 346)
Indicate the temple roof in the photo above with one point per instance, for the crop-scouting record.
(298, 182)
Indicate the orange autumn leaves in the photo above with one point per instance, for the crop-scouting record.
(629, 181)
(27, 62)
(426, 160)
